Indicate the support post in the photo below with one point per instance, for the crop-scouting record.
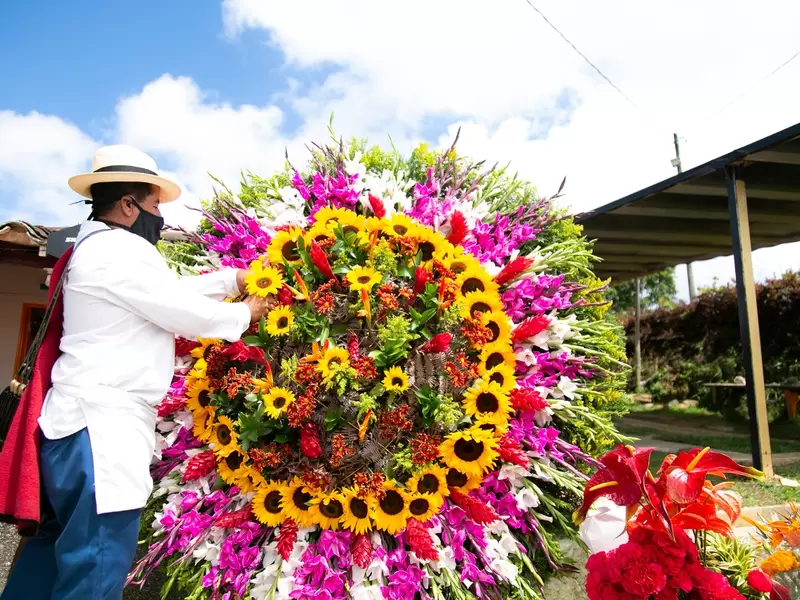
(748, 322)
(637, 337)
(676, 162)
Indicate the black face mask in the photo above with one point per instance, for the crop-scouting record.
(147, 225)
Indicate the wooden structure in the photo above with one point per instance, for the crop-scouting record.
(742, 201)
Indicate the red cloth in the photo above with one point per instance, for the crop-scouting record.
(20, 499)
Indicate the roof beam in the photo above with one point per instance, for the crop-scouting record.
(720, 190)
(781, 156)
(682, 251)
(706, 212)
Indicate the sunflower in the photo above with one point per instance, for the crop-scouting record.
(487, 401)
(462, 482)
(431, 243)
(475, 279)
(424, 506)
(498, 323)
(224, 437)
(277, 402)
(204, 424)
(205, 347)
(457, 260)
(502, 375)
(295, 503)
(280, 320)
(232, 467)
(283, 247)
(398, 225)
(250, 480)
(431, 480)
(267, 504)
(363, 278)
(481, 303)
(329, 217)
(471, 451)
(262, 281)
(318, 232)
(333, 360)
(395, 380)
(198, 396)
(353, 223)
(498, 427)
(391, 512)
(327, 510)
(497, 353)
(356, 511)
(374, 224)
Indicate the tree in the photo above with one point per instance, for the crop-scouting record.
(658, 291)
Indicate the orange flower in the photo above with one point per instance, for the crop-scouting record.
(780, 562)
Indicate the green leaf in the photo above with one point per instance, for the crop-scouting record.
(334, 419)
(262, 328)
(253, 340)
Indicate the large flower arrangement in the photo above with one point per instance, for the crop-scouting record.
(390, 429)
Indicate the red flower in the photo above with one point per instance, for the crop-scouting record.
(184, 346)
(309, 441)
(352, 347)
(285, 296)
(376, 204)
(200, 465)
(234, 519)
(438, 343)
(320, 260)
(525, 400)
(241, 352)
(286, 538)
(512, 270)
(779, 592)
(529, 328)
(458, 228)
(759, 581)
(170, 405)
(361, 549)
(421, 278)
(638, 573)
(420, 541)
(511, 452)
(481, 513)
(685, 477)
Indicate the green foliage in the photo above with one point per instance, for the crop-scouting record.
(402, 460)
(364, 404)
(734, 558)
(422, 158)
(289, 367)
(448, 413)
(657, 291)
(429, 402)
(383, 258)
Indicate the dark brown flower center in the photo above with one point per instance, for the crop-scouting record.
(289, 251)
(392, 503)
(456, 479)
(489, 427)
(473, 284)
(283, 322)
(301, 499)
(495, 329)
(207, 351)
(487, 402)
(364, 279)
(224, 435)
(279, 402)
(480, 307)
(349, 229)
(234, 460)
(203, 398)
(359, 508)
(264, 282)
(469, 450)
(397, 381)
(419, 506)
(333, 509)
(428, 484)
(400, 229)
(495, 359)
(273, 502)
(427, 249)
(334, 362)
(458, 267)
(497, 377)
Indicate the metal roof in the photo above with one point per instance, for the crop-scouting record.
(685, 218)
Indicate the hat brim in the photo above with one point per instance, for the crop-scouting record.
(82, 184)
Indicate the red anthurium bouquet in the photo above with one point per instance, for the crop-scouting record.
(660, 561)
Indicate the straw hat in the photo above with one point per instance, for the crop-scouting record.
(123, 163)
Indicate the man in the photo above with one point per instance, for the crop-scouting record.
(123, 307)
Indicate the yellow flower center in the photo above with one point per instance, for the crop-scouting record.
(301, 499)
(234, 461)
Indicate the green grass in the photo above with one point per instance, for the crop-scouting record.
(718, 442)
(699, 418)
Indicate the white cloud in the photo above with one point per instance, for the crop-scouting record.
(38, 153)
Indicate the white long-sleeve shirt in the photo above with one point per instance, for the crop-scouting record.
(123, 307)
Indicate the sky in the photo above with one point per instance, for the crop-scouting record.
(221, 86)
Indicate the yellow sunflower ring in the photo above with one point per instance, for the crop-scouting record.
(277, 402)
(357, 512)
(328, 509)
(390, 513)
(431, 480)
(296, 503)
(488, 402)
(263, 280)
(284, 247)
(471, 451)
(268, 504)
(280, 320)
(224, 437)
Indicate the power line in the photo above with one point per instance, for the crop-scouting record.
(583, 56)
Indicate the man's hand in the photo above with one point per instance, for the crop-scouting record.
(259, 307)
(240, 273)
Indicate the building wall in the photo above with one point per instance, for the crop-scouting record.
(18, 285)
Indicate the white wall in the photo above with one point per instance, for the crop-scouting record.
(18, 285)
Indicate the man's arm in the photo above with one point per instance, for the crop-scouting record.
(218, 285)
(148, 288)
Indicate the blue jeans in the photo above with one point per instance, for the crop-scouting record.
(78, 554)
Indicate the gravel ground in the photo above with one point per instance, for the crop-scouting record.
(8, 545)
